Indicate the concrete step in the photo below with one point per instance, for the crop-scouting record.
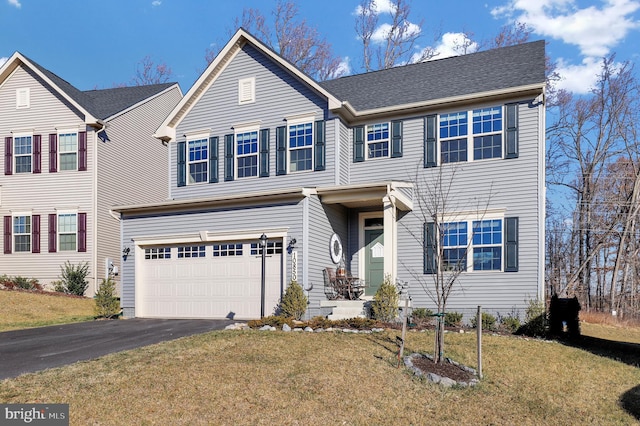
(345, 309)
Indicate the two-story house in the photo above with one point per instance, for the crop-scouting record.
(344, 169)
(68, 156)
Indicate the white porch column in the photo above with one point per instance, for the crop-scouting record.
(390, 236)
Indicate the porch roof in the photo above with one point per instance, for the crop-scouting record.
(368, 194)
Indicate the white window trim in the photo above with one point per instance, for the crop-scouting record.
(15, 156)
(59, 148)
(241, 129)
(246, 90)
(469, 217)
(23, 98)
(366, 142)
(59, 233)
(470, 134)
(191, 137)
(14, 234)
(296, 122)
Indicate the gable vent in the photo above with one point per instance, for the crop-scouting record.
(23, 98)
(247, 90)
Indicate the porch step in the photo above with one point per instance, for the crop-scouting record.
(344, 309)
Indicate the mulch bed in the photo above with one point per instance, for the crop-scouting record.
(443, 369)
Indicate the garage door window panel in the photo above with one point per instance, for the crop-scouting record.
(227, 249)
(157, 253)
(273, 247)
(185, 252)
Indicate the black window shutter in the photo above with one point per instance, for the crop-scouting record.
(396, 139)
(8, 156)
(37, 154)
(228, 157)
(511, 145)
(430, 247)
(213, 159)
(53, 153)
(358, 144)
(320, 150)
(82, 232)
(281, 150)
(430, 141)
(82, 151)
(181, 155)
(511, 244)
(53, 244)
(264, 153)
(8, 242)
(35, 233)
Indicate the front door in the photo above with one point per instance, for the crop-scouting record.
(373, 259)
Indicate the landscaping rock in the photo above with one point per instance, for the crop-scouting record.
(267, 328)
(308, 329)
(237, 326)
(285, 327)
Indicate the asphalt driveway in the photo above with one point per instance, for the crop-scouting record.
(35, 349)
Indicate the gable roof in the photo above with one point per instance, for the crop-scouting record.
(488, 71)
(95, 104)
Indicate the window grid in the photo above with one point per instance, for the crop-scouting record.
(454, 240)
(487, 245)
(157, 253)
(378, 140)
(198, 160)
(456, 133)
(273, 247)
(67, 231)
(22, 233)
(68, 144)
(191, 251)
(22, 148)
(300, 147)
(487, 131)
(247, 154)
(227, 249)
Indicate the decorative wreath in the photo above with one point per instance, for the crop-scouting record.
(335, 248)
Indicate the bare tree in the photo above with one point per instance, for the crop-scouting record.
(291, 37)
(437, 204)
(390, 44)
(149, 72)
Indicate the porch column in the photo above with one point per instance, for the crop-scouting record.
(390, 236)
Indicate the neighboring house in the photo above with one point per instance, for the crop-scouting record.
(68, 156)
(258, 147)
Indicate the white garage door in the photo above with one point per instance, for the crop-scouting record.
(220, 280)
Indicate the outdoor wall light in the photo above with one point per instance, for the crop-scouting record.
(291, 245)
(125, 252)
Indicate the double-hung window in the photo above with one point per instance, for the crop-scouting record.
(22, 233)
(197, 160)
(378, 140)
(23, 152)
(487, 245)
(464, 140)
(487, 133)
(300, 147)
(454, 242)
(247, 153)
(68, 150)
(67, 231)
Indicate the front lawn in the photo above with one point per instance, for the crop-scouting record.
(23, 309)
(262, 377)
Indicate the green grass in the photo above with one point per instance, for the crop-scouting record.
(256, 377)
(20, 309)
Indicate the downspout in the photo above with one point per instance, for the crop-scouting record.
(94, 208)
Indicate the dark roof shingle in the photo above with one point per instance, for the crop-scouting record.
(494, 69)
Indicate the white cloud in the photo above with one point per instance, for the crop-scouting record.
(3, 60)
(451, 44)
(155, 3)
(15, 3)
(580, 78)
(381, 33)
(379, 6)
(345, 67)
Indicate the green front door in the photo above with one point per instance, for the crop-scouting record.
(374, 260)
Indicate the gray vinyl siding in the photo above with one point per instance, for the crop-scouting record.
(513, 185)
(324, 220)
(131, 169)
(278, 95)
(346, 154)
(286, 215)
(45, 193)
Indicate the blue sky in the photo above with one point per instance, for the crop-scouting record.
(97, 43)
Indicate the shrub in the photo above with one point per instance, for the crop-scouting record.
(509, 323)
(453, 319)
(535, 320)
(107, 303)
(422, 316)
(74, 278)
(273, 320)
(294, 302)
(385, 302)
(19, 282)
(58, 286)
(488, 321)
